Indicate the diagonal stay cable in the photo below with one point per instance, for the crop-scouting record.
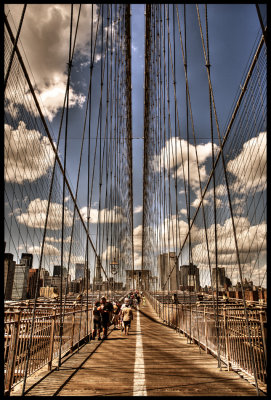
(14, 47)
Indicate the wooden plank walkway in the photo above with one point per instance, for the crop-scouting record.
(168, 366)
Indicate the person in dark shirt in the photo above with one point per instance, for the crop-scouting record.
(105, 309)
(96, 321)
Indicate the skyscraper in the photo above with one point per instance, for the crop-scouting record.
(79, 271)
(57, 270)
(221, 277)
(19, 289)
(28, 259)
(9, 269)
(167, 264)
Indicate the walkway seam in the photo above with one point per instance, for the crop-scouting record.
(139, 388)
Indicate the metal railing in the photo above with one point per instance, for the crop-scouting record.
(45, 339)
(197, 321)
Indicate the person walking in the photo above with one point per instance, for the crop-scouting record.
(127, 316)
(105, 310)
(116, 312)
(96, 321)
(143, 299)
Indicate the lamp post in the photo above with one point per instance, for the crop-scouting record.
(114, 266)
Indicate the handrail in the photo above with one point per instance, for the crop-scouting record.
(232, 332)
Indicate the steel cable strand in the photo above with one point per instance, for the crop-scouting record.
(63, 193)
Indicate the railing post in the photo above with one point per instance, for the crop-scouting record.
(227, 339)
(86, 323)
(13, 352)
(73, 325)
(263, 334)
(52, 340)
(205, 329)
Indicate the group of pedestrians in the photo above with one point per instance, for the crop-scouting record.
(135, 299)
(102, 317)
(106, 313)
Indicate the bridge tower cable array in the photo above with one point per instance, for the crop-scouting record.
(167, 157)
(113, 150)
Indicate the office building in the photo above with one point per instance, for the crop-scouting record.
(57, 270)
(168, 277)
(221, 278)
(79, 271)
(27, 258)
(9, 269)
(19, 288)
(31, 285)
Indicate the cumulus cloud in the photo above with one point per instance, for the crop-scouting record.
(35, 215)
(249, 167)
(53, 239)
(48, 250)
(106, 215)
(208, 199)
(28, 154)
(46, 45)
(138, 209)
(176, 153)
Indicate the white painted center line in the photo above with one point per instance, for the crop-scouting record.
(139, 370)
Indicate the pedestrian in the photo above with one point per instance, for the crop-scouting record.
(105, 309)
(126, 302)
(96, 321)
(138, 300)
(127, 316)
(116, 311)
(143, 300)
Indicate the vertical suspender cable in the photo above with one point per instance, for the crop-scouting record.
(88, 175)
(63, 194)
(214, 198)
(176, 178)
(188, 170)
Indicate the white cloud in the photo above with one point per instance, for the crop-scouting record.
(36, 215)
(176, 153)
(249, 167)
(28, 154)
(46, 44)
(138, 209)
(208, 199)
(106, 216)
(138, 239)
(53, 239)
(48, 249)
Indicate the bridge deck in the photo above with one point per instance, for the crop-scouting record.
(171, 367)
